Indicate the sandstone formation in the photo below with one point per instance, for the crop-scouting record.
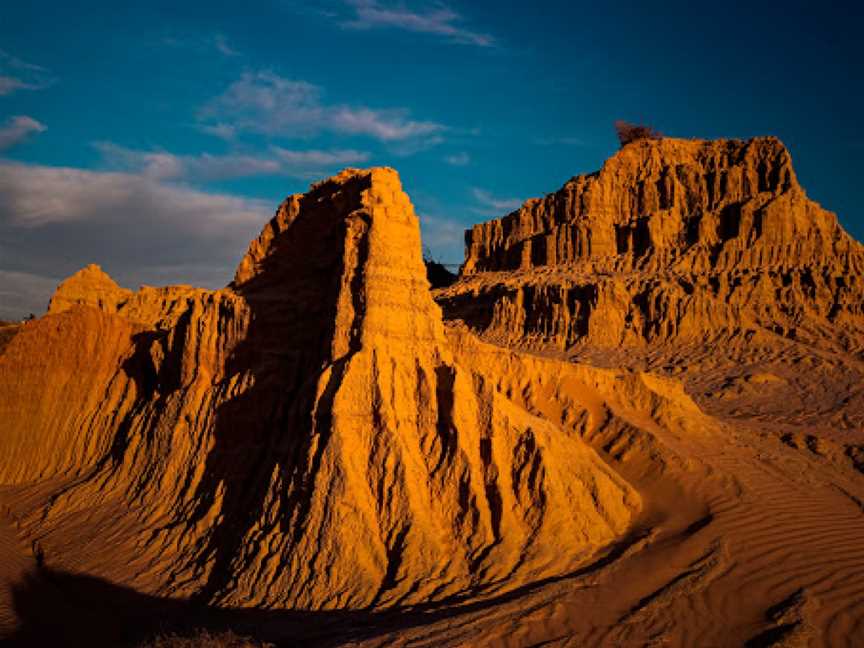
(635, 419)
(308, 437)
(89, 286)
(672, 240)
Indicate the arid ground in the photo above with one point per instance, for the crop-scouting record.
(636, 418)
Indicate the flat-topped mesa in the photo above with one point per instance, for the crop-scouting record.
(671, 240)
(668, 203)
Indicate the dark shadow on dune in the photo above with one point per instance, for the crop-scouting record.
(773, 637)
(60, 609)
(57, 608)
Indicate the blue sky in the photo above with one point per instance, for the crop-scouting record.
(156, 139)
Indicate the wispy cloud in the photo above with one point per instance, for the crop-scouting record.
(162, 165)
(201, 44)
(222, 46)
(311, 160)
(18, 129)
(385, 125)
(22, 293)
(438, 19)
(13, 62)
(445, 237)
(34, 195)
(414, 145)
(55, 220)
(16, 74)
(305, 8)
(490, 205)
(222, 131)
(265, 102)
(458, 159)
(9, 84)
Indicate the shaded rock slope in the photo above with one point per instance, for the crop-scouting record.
(672, 240)
(311, 436)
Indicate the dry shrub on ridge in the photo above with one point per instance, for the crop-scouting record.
(7, 332)
(628, 132)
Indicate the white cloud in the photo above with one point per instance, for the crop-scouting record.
(314, 159)
(33, 196)
(201, 44)
(266, 103)
(55, 220)
(16, 74)
(22, 293)
(161, 165)
(9, 61)
(458, 159)
(414, 146)
(444, 237)
(222, 131)
(9, 84)
(492, 205)
(217, 167)
(438, 19)
(17, 129)
(385, 125)
(222, 46)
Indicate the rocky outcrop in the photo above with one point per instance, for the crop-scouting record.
(315, 455)
(310, 436)
(90, 286)
(670, 240)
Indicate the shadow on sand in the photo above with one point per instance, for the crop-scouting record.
(57, 608)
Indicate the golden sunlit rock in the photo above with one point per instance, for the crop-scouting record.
(670, 240)
(639, 418)
(305, 438)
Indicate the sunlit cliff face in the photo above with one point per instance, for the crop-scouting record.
(641, 398)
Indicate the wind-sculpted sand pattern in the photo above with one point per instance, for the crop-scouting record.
(743, 540)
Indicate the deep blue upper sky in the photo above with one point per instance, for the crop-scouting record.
(155, 140)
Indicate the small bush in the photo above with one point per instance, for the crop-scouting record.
(7, 332)
(628, 132)
(203, 639)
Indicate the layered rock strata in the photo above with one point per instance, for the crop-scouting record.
(670, 240)
(308, 437)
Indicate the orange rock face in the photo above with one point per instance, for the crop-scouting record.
(89, 286)
(670, 240)
(635, 418)
(668, 203)
(307, 437)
